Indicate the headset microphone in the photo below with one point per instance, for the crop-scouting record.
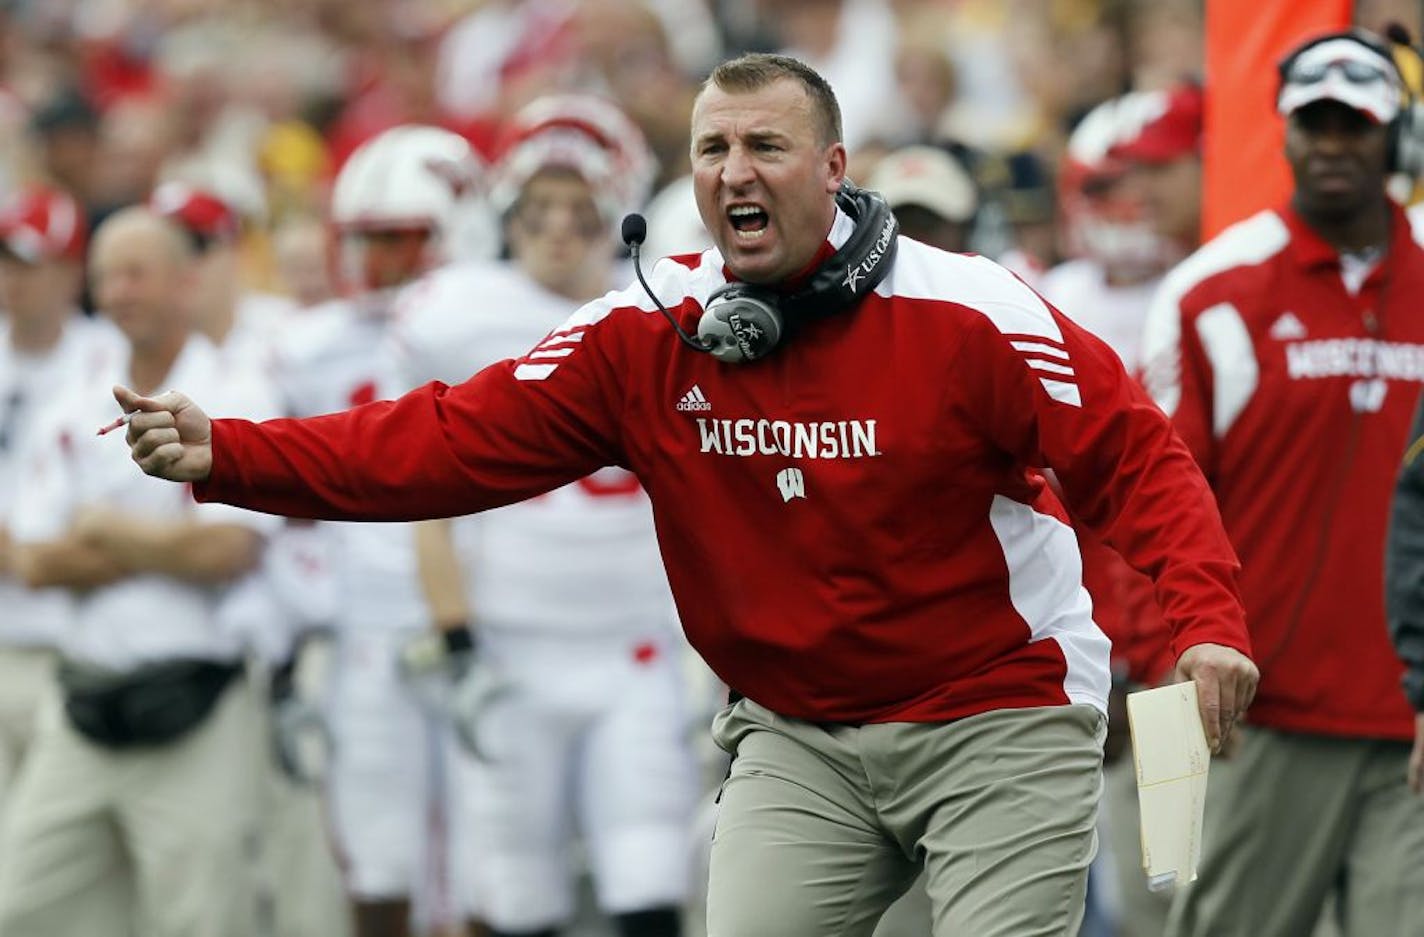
(745, 322)
(635, 232)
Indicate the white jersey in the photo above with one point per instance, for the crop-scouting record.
(1115, 314)
(331, 358)
(581, 558)
(144, 618)
(38, 618)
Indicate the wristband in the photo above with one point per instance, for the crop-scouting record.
(458, 640)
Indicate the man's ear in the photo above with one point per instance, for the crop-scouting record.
(835, 167)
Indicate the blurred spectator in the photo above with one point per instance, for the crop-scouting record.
(214, 132)
(299, 248)
(1018, 190)
(295, 164)
(134, 141)
(925, 77)
(67, 127)
(852, 43)
(1378, 14)
(932, 195)
(240, 322)
(1163, 42)
(44, 344)
(143, 770)
(626, 47)
(483, 50)
(393, 83)
(996, 65)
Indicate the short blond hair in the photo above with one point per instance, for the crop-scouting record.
(756, 70)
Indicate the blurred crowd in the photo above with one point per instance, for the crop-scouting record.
(1060, 137)
(264, 101)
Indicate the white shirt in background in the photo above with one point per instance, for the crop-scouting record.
(30, 617)
(147, 618)
(331, 358)
(1080, 290)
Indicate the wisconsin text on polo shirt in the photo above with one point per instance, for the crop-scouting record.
(826, 439)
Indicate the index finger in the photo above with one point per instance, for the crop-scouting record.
(130, 401)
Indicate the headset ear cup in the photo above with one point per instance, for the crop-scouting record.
(740, 325)
(1407, 143)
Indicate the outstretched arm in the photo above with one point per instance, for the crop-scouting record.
(436, 452)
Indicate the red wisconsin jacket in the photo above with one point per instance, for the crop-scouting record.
(1296, 398)
(853, 527)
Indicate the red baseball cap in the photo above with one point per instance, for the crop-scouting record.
(1169, 125)
(198, 211)
(40, 223)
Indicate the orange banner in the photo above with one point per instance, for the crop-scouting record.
(1242, 167)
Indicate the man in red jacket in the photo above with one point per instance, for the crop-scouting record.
(855, 528)
(1289, 352)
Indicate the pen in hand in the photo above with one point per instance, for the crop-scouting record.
(118, 421)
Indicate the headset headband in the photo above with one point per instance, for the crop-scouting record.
(854, 270)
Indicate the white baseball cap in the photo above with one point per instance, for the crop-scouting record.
(1343, 69)
(929, 177)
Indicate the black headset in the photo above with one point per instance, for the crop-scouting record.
(1404, 148)
(744, 322)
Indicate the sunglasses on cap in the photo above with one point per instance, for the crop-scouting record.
(1355, 72)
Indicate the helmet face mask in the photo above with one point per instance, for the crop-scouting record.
(384, 258)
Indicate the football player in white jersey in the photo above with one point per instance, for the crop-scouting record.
(394, 207)
(565, 593)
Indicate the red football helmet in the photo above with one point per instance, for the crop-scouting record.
(1103, 217)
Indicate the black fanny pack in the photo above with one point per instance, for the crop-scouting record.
(153, 705)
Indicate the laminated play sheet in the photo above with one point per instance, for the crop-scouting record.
(1171, 757)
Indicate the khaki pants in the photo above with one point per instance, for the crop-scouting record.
(823, 826)
(25, 674)
(1292, 818)
(302, 880)
(177, 822)
(1142, 913)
